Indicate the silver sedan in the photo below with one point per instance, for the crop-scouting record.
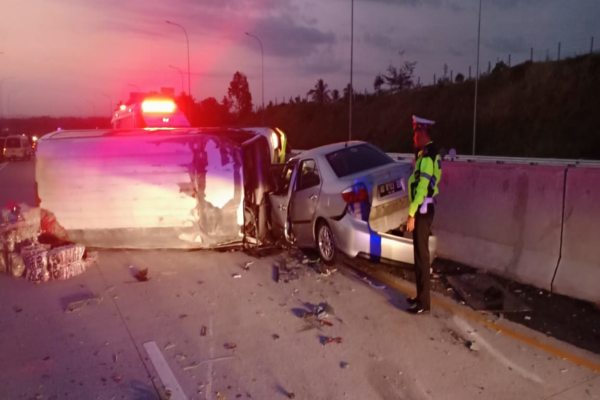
(349, 197)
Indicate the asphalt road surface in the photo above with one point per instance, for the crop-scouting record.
(220, 325)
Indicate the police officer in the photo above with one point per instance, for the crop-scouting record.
(423, 187)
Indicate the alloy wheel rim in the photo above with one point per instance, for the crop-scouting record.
(326, 242)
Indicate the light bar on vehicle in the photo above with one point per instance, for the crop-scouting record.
(158, 106)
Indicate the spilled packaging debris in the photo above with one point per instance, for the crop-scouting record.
(21, 253)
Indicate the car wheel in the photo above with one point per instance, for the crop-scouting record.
(326, 243)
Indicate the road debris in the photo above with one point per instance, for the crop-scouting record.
(203, 331)
(246, 265)
(471, 345)
(344, 364)
(328, 339)
(315, 316)
(191, 366)
(284, 272)
(140, 274)
(79, 304)
(275, 336)
(28, 248)
(169, 346)
(483, 291)
(236, 276)
(230, 346)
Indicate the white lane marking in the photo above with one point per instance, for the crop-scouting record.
(164, 372)
(209, 370)
(2, 165)
(468, 329)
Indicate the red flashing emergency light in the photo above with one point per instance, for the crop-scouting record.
(158, 106)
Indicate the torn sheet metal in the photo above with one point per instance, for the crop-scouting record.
(143, 189)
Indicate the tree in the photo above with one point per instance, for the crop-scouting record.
(460, 78)
(335, 95)
(239, 95)
(400, 78)
(209, 112)
(499, 67)
(377, 83)
(320, 93)
(347, 91)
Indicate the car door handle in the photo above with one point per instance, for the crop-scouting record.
(313, 197)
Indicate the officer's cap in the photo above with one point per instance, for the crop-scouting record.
(421, 123)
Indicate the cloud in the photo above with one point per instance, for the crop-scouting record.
(405, 3)
(379, 40)
(282, 36)
(510, 45)
(283, 30)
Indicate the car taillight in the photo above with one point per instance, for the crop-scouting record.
(355, 194)
(357, 200)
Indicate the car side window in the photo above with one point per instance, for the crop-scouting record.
(286, 177)
(308, 175)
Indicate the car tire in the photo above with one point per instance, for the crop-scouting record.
(325, 242)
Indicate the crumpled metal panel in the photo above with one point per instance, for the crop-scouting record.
(142, 188)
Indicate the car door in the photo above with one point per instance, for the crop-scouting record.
(303, 202)
(280, 200)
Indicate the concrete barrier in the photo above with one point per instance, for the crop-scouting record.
(502, 218)
(578, 273)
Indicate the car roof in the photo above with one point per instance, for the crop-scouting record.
(330, 148)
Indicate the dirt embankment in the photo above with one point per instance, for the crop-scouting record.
(545, 109)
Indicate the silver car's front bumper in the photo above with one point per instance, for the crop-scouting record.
(354, 237)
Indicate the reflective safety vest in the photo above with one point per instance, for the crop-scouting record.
(424, 181)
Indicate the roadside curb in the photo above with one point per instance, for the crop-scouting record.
(408, 289)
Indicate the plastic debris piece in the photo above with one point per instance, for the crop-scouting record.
(169, 346)
(230, 346)
(16, 265)
(275, 336)
(79, 304)
(203, 331)
(246, 265)
(328, 340)
(344, 364)
(193, 365)
(236, 276)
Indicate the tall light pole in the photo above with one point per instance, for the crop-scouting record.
(351, 89)
(476, 79)
(187, 40)
(262, 74)
(180, 75)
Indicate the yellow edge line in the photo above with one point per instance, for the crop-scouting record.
(408, 289)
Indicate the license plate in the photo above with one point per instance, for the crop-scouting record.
(388, 188)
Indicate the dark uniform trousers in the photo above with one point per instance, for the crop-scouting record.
(421, 249)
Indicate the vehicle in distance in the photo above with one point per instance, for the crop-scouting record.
(346, 197)
(17, 147)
